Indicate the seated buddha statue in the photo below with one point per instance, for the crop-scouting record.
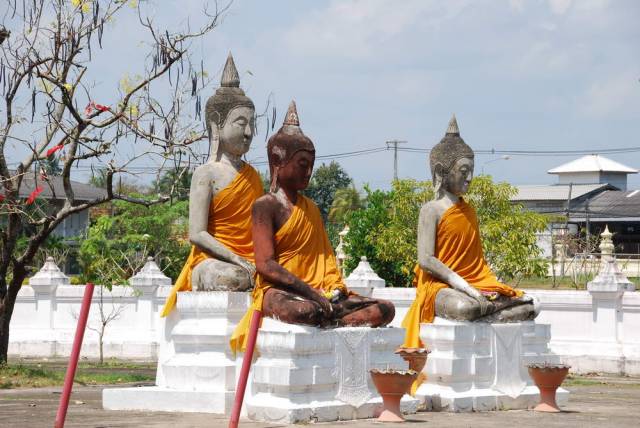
(222, 193)
(298, 280)
(452, 277)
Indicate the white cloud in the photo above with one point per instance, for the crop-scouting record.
(559, 7)
(358, 28)
(618, 95)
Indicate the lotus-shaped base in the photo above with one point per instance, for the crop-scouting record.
(548, 378)
(392, 385)
(416, 357)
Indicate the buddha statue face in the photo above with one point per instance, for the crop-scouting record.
(230, 116)
(451, 162)
(237, 131)
(291, 154)
(296, 173)
(458, 179)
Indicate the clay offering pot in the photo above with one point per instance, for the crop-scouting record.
(392, 385)
(548, 377)
(416, 357)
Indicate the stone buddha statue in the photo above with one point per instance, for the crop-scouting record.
(453, 279)
(298, 279)
(221, 195)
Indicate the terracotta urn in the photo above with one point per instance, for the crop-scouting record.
(548, 377)
(416, 357)
(392, 385)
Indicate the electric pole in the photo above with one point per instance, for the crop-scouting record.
(394, 144)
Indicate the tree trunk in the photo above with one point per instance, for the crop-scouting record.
(5, 318)
(6, 310)
(101, 345)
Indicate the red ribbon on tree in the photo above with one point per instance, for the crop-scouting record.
(32, 197)
(92, 105)
(1, 198)
(54, 149)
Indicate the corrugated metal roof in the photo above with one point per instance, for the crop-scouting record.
(611, 204)
(592, 163)
(81, 191)
(555, 192)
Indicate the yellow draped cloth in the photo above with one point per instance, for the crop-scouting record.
(302, 247)
(229, 223)
(458, 246)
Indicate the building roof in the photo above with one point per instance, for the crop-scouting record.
(556, 192)
(610, 205)
(54, 189)
(592, 163)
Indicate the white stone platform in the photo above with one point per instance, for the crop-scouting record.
(196, 369)
(301, 374)
(306, 374)
(479, 366)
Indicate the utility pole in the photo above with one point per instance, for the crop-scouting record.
(586, 214)
(566, 229)
(394, 144)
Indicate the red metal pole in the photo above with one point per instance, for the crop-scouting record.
(246, 365)
(75, 354)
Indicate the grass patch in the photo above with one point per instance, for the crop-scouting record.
(38, 375)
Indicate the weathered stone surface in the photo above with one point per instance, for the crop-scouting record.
(480, 366)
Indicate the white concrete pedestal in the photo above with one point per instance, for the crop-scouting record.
(306, 374)
(196, 370)
(478, 366)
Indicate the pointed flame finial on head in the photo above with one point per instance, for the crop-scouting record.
(230, 77)
(453, 126)
(291, 118)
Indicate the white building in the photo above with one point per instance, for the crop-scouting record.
(591, 190)
(593, 169)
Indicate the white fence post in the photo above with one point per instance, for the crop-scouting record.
(45, 283)
(146, 282)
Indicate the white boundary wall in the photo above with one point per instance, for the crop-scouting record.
(590, 331)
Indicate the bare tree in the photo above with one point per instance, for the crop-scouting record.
(114, 273)
(49, 110)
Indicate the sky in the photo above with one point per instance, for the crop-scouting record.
(519, 75)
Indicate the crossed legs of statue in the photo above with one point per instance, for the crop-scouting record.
(456, 305)
(351, 311)
(216, 275)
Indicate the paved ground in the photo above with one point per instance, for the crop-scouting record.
(615, 403)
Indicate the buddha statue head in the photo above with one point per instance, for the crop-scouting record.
(451, 162)
(230, 116)
(285, 145)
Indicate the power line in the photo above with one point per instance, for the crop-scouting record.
(373, 150)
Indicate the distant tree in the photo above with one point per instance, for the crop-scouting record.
(345, 201)
(326, 180)
(51, 166)
(175, 183)
(130, 234)
(386, 230)
(99, 178)
(266, 182)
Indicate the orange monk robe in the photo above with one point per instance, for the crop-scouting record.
(302, 247)
(458, 246)
(229, 223)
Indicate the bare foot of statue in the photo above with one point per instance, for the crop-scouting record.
(456, 305)
(352, 311)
